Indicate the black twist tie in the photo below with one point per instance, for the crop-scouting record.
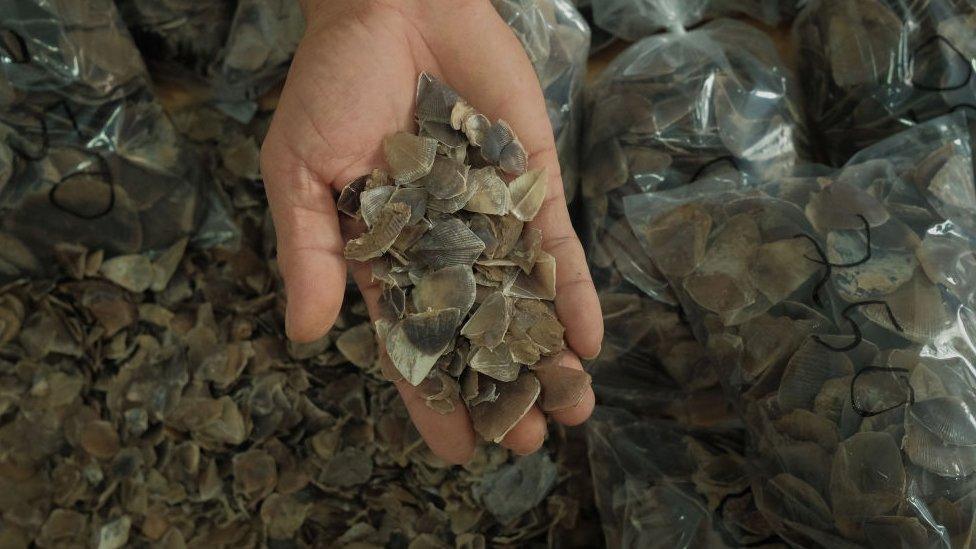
(102, 171)
(868, 413)
(858, 337)
(862, 261)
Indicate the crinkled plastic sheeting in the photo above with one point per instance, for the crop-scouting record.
(674, 108)
(87, 155)
(557, 41)
(600, 38)
(178, 32)
(872, 68)
(839, 312)
(635, 19)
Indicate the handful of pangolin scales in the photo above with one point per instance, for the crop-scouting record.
(467, 311)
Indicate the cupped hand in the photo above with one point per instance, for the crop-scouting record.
(352, 82)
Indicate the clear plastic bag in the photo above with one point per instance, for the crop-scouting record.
(675, 108)
(839, 311)
(665, 450)
(557, 41)
(635, 19)
(661, 484)
(654, 444)
(872, 68)
(92, 158)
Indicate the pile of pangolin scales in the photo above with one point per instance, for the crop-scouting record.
(467, 312)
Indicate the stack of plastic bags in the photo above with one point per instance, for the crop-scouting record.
(833, 305)
(668, 456)
(838, 311)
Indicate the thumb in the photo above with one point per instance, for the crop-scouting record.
(309, 242)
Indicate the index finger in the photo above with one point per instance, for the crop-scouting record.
(492, 54)
(309, 244)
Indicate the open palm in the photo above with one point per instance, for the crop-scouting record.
(352, 82)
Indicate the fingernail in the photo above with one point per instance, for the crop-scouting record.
(594, 355)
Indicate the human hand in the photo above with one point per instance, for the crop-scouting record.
(353, 82)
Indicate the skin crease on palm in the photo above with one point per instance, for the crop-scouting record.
(351, 83)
